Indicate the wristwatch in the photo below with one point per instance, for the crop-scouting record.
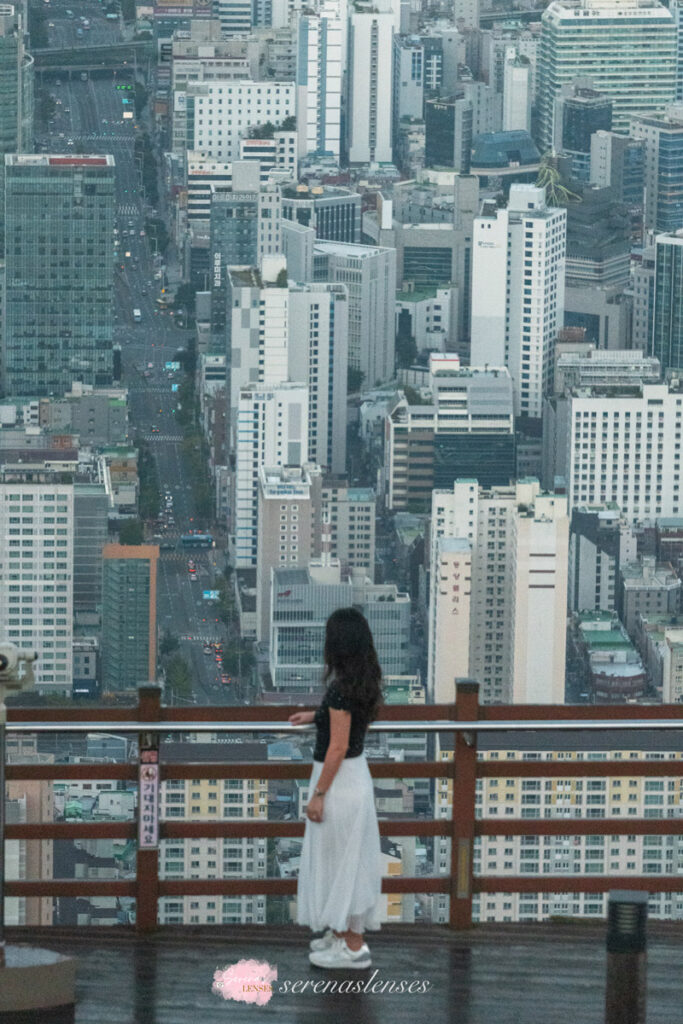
(318, 792)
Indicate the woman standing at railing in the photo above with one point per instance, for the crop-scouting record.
(340, 874)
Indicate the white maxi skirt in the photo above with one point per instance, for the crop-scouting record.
(340, 872)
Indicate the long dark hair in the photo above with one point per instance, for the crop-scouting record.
(351, 659)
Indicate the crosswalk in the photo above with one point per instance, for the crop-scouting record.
(164, 437)
(104, 138)
(128, 209)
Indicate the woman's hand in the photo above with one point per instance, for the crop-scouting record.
(301, 718)
(314, 809)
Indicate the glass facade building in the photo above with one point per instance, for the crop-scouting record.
(16, 90)
(59, 217)
(627, 49)
(667, 328)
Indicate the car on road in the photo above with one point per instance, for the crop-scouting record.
(69, 142)
(155, 429)
(207, 649)
(193, 577)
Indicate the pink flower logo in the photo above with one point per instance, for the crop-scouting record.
(247, 981)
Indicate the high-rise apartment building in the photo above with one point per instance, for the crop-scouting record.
(36, 568)
(570, 856)
(129, 610)
(369, 273)
(627, 47)
(289, 529)
(59, 223)
(508, 572)
(204, 800)
(272, 430)
(16, 89)
(667, 319)
(662, 136)
(319, 84)
(617, 444)
(518, 291)
(369, 101)
(297, 332)
(350, 515)
(244, 227)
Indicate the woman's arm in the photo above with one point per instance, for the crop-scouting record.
(340, 727)
(301, 717)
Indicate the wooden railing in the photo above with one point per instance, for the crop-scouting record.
(463, 719)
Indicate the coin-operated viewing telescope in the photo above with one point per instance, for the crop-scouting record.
(16, 669)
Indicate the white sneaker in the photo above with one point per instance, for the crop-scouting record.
(338, 955)
(323, 942)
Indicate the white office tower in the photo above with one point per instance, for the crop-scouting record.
(617, 444)
(279, 332)
(449, 616)
(369, 273)
(272, 430)
(235, 16)
(518, 291)
(36, 569)
(319, 85)
(318, 354)
(517, 96)
(498, 597)
(213, 117)
(370, 92)
(628, 48)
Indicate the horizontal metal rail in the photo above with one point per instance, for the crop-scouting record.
(397, 725)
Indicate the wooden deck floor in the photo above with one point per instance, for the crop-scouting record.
(493, 975)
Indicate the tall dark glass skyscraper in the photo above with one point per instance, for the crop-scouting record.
(667, 326)
(59, 257)
(16, 90)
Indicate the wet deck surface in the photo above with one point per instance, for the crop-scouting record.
(519, 975)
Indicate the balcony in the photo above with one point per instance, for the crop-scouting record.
(490, 973)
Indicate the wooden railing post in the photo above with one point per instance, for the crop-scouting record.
(464, 794)
(147, 872)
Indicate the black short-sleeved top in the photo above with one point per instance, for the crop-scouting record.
(334, 699)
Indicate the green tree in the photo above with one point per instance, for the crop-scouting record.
(158, 232)
(185, 297)
(289, 124)
(131, 532)
(179, 676)
(169, 644)
(262, 131)
(281, 279)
